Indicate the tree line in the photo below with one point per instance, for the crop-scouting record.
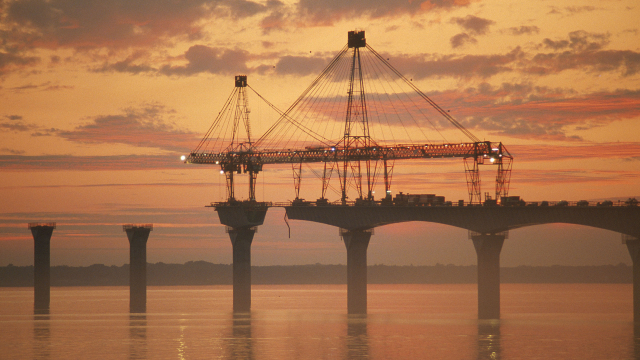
(205, 273)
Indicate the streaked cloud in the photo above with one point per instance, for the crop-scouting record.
(625, 151)
(15, 123)
(457, 66)
(572, 10)
(301, 65)
(327, 12)
(11, 151)
(462, 39)
(18, 162)
(523, 30)
(473, 24)
(148, 126)
(116, 24)
(524, 110)
(201, 58)
(10, 61)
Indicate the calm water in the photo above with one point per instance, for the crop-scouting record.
(310, 322)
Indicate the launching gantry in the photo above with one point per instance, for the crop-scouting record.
(354, 156)
(475, 153)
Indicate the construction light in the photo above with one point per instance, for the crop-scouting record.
(183, 158)
(221, 171)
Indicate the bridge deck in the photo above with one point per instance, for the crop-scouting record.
(481, 219)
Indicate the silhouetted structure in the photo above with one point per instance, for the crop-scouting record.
(488, 249)
(633, 244)
(356, 243)
(488, 223)
(41, 265)
(138, 235)
(242, 220)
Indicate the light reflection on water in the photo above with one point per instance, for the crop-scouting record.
(310, 322)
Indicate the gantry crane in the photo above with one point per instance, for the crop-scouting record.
(356, 150)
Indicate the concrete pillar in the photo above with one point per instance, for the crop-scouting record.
(241, 239)
(138, 235)
(488, 249)
(41, 265)
(634, 251)
(356, 242)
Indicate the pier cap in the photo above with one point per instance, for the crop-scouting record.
(126, 227)
(42, 224)
(357, 39)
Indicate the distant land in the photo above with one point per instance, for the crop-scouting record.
(205, 273)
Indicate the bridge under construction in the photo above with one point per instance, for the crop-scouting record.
(358, 120)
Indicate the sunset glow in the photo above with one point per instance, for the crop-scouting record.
(101, 100)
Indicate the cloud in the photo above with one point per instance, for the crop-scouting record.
(570, 176)
(14, 123)
(142, 127)
(583, 50)
(117, 24)
(531, 112)
(202, 58)
(127, 65)
(579, 41)
(46, 86)
(327, 12)
(11, 151)
(473, 24)
(465, 66)
(523, 30)
(461, 40)
(19, 162)
(580, 50)
(301, 65)
(625, 150)
(12, 61)
(572, 10)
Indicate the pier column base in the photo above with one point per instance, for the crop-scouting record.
(241, 239)
(488, 249)
(356, 242)
(634, 251)
(41, 266)
(138, 235)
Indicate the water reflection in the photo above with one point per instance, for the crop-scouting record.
(41, 335)
(240, 344)
(357, 338)
(488, 339)
(137, 336)
(636, 341)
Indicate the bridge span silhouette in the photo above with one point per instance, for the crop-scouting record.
(487, 226)
(347, 125)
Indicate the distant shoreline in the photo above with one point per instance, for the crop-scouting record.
(205, 273)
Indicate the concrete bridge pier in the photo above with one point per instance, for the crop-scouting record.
(41, 265)
(241, 239)
(488, 247)
(138, 235)
(633, 246)
(356, 242)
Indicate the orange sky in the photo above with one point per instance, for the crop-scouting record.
(100, 99)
